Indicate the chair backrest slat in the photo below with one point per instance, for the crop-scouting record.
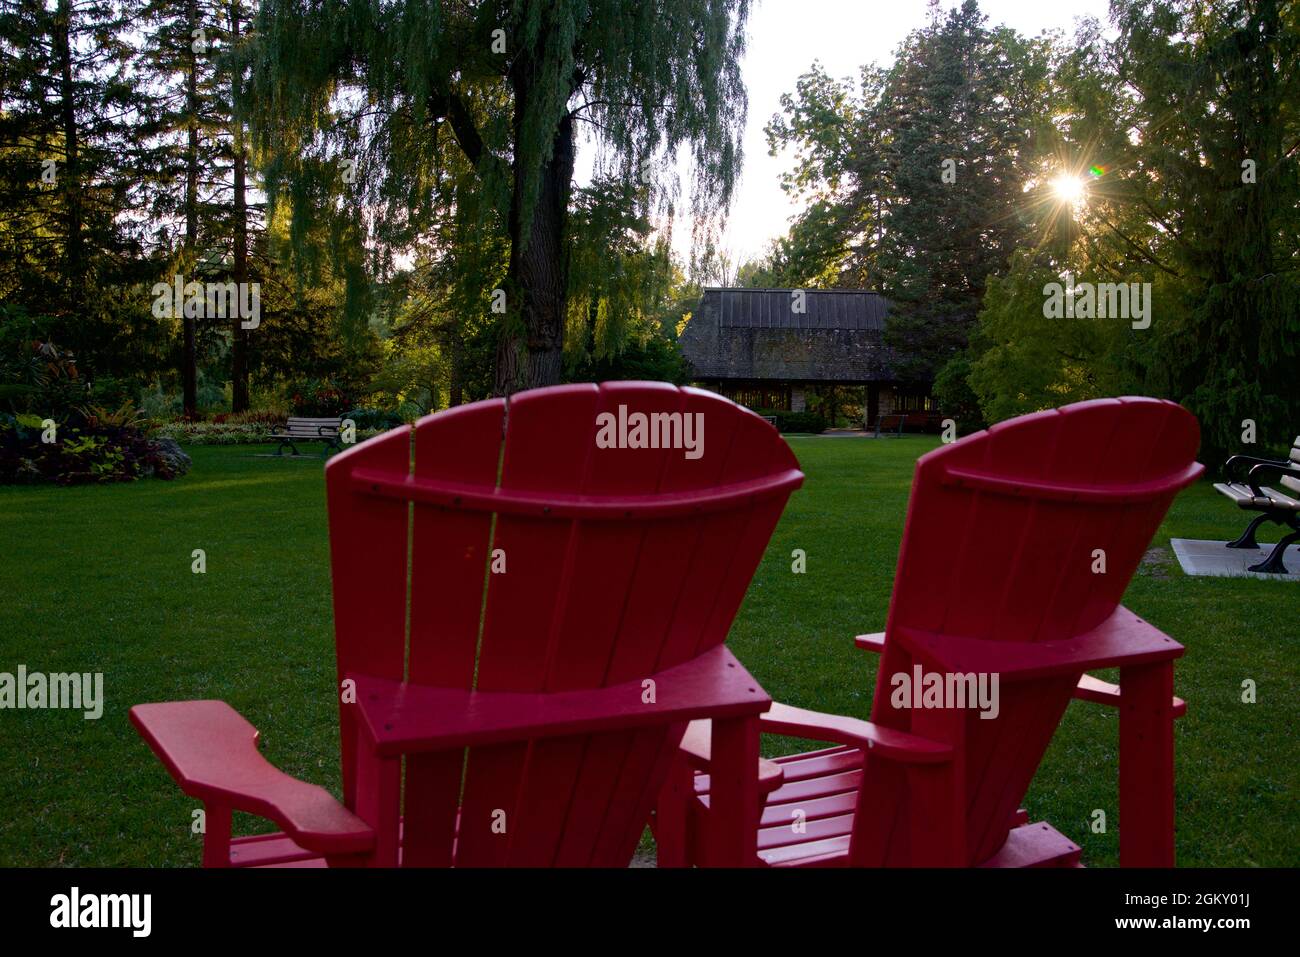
(368, 541)
(567, 597)
(449, 555)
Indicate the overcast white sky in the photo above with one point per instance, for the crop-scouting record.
(785, 36)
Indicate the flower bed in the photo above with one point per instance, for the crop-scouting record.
(225, 433)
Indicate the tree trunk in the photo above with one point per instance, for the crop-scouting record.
(75, 249)
(189, 375)
(239, 344)
(456, 388)
(539, 269)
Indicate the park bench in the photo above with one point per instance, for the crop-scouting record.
(1251, 494)
(890, 426)
(525, 623)
(923, 422)
(984, 586)
(303, 429)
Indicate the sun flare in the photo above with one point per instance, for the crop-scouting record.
(1069, 189)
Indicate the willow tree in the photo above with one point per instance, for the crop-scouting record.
(386, 90)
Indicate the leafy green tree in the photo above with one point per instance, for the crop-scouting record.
(917, 180)
(952, 390)
(1032, 361)
(1185, 131)
(1215, 105)
(959, 101)
(619, 275)
(652, 356)
(830, 128)
(813, 255)
(396, 87)
(305, 331)
(442, 337)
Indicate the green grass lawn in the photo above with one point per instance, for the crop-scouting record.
(99, 579)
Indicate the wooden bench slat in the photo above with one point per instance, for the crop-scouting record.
(301, 428)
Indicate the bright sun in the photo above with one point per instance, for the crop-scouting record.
(1069, 189)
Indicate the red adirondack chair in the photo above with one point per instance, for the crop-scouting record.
(567, 605)
(1000, 572)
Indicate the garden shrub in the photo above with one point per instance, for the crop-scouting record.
(83, 453)
(800, 422)
(230, 433)
(261, 417)
(795, 421)
(39, 377)
(318, 398)
(213, 433)
(374, 419)
(60, 428)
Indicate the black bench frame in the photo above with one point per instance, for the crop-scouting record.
(891, 434)
(1259, 470)
(332, 440)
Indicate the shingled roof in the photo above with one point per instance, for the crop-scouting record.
(756, 334)
(823, 308)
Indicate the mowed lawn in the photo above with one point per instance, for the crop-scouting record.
(99, 579)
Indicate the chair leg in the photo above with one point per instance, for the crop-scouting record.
(1146, 765)
(379, 798)
(670, 816)
(1247, 538)
(1273, 564)
(216, 835)
(732, 840)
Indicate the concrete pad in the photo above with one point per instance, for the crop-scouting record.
(1216, 560)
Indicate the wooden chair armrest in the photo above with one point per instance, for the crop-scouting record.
(1089, 688)
(401, 718)
(874, 642)
(697, 750)
(854, 732)
(211, 752)
(836, 729)
(1103, 692)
